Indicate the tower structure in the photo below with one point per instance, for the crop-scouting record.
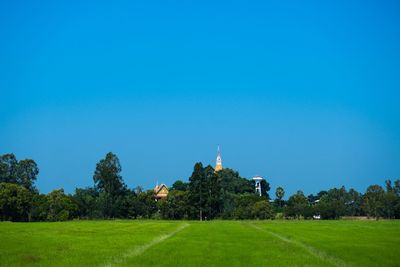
(218, 163)
(257, 180)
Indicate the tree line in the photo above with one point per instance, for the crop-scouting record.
(207, 195)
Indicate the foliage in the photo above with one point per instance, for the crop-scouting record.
(354, 204)
(146, 206)
(198, 191)
(180, 186)
(60, 206)
(262, 210)
(23, 172)
(175, 207)
(86, 200)
(298, 206)
(207, 195)
(333, 204)
(265, 187)
(40, 207)
(244, 204)
(27, 172)
(231, 186)
(232, 182)
(15, 202)
(8, 168)
(374, 201)
(110, 185)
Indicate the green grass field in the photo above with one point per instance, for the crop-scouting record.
(216, 243)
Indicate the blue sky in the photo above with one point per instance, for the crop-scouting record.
(304, 93)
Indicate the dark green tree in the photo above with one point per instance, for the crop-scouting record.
(131, 204)
(244, 204)
(27, 173)
(333, 204)
(110, 185)
(86, 200)
(175, 207)
(396, 190)
(61, 207)
(353, 203)
(396, 187)
(374, 201)
(146, 206)
(298, 206)
(198, 190)
(180, 186)
(214, 202)
(40, 207)
(231, 184)
(390, 201)
(22, 172)
(15, 202)
(265, 187)
(8, 168)
(262, 210)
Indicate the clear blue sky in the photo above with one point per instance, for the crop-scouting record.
(304, 93)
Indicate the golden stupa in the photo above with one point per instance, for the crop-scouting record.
(218, 164)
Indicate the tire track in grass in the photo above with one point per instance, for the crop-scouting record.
(140, 249)
(310, 249)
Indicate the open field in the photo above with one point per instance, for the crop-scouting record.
(216, 243)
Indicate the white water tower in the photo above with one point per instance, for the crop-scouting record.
(257, 180)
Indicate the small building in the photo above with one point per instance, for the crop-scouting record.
(257, 181)
(160, 192)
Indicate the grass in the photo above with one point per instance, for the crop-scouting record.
(216, 243)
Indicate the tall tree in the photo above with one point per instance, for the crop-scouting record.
(214, 192)
(374, 201)
(23, 172)
(396, 187)
(8, 168)
(390, 201)
(27, 172)
(265, 187)
(109, 183)
(198, 190)
(396, 190)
